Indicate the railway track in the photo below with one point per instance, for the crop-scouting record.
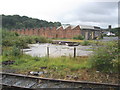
(32, 82)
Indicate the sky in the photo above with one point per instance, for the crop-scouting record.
(75, 12)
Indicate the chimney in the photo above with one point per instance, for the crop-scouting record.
(109, 27)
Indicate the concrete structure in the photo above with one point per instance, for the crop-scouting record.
(89, 32)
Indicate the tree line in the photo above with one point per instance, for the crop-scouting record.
(22, 22)
(116, 31)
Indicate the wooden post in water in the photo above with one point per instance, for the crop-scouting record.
(48, 51)
(74, 52)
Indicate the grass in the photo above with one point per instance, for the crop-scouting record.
(59, 67)
(26, 63)
(82, 41)
(85, 43)
(71, 40)
(66, 67)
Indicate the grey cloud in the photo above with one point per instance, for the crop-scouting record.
(97, 12)
(99, 7)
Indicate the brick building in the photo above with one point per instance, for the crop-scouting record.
(89, 32)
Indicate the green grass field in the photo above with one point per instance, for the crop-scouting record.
(26, 63)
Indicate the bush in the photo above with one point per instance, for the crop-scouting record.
(35, 39)
(105, 58)
(40, 39)
(12, 38)
(21, 43)
(85, 43)
(13, 51)
(79, 37)
(7, 42)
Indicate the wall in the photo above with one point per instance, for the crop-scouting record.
(53, 32)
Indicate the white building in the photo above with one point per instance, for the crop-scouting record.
(110, 34)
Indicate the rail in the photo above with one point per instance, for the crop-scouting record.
(37, 79)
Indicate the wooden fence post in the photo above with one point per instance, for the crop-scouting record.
(48, 51)
(74, 52)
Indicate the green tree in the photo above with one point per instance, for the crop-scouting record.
(20, 22)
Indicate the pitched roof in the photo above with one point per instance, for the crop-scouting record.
(73, 26)
(59, 27)
(64, 27)
(86, 27)
(81, 27)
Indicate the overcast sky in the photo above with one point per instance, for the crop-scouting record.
(95, 12)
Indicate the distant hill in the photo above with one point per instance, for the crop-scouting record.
(21, 22)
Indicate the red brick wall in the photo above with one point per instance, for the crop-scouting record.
(52, 32)
(18, 31)
(35, 31)
(60, 33)
(76, 31)
(26, 32)
(22, 31)
(31, 32)
(47, 32)
(41, 32)
(68, 32)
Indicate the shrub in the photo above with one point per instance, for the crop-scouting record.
(105, 58)
(21, 42)
(79, 37)
(29, 39)
(15, 51)
(85, 43)
(12, 51)
(36, 58)
(41, 39)
(7, 42)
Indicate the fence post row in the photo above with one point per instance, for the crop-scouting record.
(49, 54)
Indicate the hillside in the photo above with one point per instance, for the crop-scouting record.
(116, 31)
(21, 22)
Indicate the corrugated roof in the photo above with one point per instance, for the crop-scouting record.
(86, 27)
